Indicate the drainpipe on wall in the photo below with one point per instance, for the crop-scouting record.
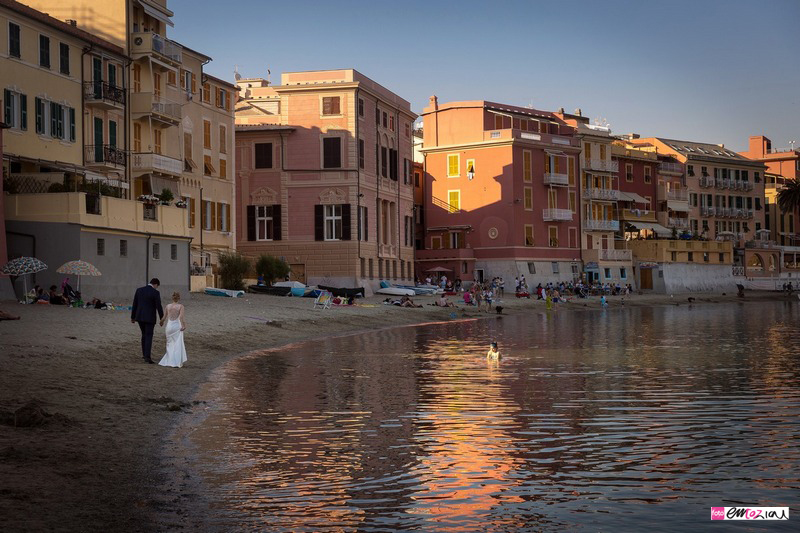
(397, 151)
(358, 182)
(147, 261)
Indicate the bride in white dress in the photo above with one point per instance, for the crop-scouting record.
(173, 316)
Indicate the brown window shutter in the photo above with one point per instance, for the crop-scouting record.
(319, 223)
(276, 222)
(203, 214)
(213, 216)
(219, 216)
(191, 212)
(251, 222)
(366, 224)
(228, 219)
(194, 83)
(346, 222)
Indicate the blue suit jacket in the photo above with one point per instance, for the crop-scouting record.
(146, 303)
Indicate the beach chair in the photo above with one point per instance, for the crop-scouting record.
(324, 300)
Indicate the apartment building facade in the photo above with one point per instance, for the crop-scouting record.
(325, 177)
(180, 126)
(66, 166)
(501, 193)
(638, 202)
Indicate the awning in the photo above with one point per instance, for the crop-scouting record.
(156, 14)
(678, 205)
(632, 197)
(157, 185)
(112, 181)
(555, 152)
(652, 226)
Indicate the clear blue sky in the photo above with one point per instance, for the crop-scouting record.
(700, 70)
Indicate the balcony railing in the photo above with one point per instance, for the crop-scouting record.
(552, 178)
(601, 164)
(100, 91)
(601, 194)
(149, 162)
(556, 214)
(615, 255)
(680, 223)
(722, 183)
(444, 205)
(105, 154)
(166, 108)
(152, 42)
(677, 168)
(706, 181)
(679, 195)
(601, 225)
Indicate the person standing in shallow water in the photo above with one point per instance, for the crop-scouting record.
(494, 353)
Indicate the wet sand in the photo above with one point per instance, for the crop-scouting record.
(91, 458)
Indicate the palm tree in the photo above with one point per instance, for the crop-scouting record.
(789, 196)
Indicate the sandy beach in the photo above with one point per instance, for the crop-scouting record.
(89, 458)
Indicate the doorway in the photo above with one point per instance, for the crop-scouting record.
(647, 278)
(298, 272)
(479, 275)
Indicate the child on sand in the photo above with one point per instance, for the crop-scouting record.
(493, 353)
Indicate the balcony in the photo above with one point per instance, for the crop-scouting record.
(552, 178)
(596, 255)
(679, 223)
(671, 168)
(722, 183)
(593, 193)
(162, 48)
(600, 225)
(678, 195)
(159, 109)
(103, 96)
(549, 215)
(149, 163)
(706, 211)
(636, 215)
(706, 181)
(104, 156)
(601, 164)
(96, 211)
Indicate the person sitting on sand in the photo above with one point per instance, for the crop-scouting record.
(444, 302)
(467, 298)
(405, 301)
(493, 353)
(56, 298)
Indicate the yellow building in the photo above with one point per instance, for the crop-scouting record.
(180, 120)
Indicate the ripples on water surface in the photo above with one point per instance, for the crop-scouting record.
(630, 419)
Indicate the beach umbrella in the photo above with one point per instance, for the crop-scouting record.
(439, 269)
(22, 266)
(79, 268)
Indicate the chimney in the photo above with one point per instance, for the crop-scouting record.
(578, 111)
(72, 22)
(560, 110)
(434, 103)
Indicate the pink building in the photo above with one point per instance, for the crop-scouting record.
(324, 177)
(501, 193)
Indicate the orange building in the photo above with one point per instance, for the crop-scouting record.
(501, 193)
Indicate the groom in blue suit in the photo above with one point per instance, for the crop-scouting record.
(146, 303)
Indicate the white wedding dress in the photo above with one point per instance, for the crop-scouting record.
(176, 351)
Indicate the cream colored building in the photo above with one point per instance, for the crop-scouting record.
(181, 122)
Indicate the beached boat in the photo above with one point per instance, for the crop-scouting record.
(224, 292)
(344, 292)
(396, 291)
(275, 291)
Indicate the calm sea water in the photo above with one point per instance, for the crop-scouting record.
(619, 419)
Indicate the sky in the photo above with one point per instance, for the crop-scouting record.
(714, 71)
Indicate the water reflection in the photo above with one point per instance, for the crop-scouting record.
(593, 420)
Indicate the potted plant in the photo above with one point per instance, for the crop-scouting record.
(166, 197)
(148, 199)
(181, 203)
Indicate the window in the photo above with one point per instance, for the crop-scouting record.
(628, 172)
(456, 240)
(361, 151)
(647, 176)
(101, 247)
(331, 105)
(571, 170)
(123, 248)
(173, 252)
(453, 165)
(137, 137)
(190, 202)
(436, 243)
(44, 51)
(623, 273)
(263, 153)
(363, 221)
(222, 98)
(554, 267)
(137, 78)
(528, 235)
(223, 217)
(690, 256)
(14, 43)
(674, 256)
(553, 237)
(157, 141)
(527, 174)
(377, 116)
(223, 168)
(265, 222)
(208, 216)
(331, 152)
(704, 171)
(528, 198)
(416, 179)
(207, 93)
(572, 201)
(360, 107)
(156, 251)
(208, 166)
(470, 167)
(454, 200)
(391, 122)
(207, 135)
(223, 139)
(172, 78)
(385, 119)
(690, 170)
(531, 267)
(15, 109)
(721, 257)
(649, 203)
(63, 57)
(757, 177)
(188, 163)
(384, 161)
(332, 222)
(606, 273)
(603, 152)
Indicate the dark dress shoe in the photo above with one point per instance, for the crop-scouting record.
(149, 361)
